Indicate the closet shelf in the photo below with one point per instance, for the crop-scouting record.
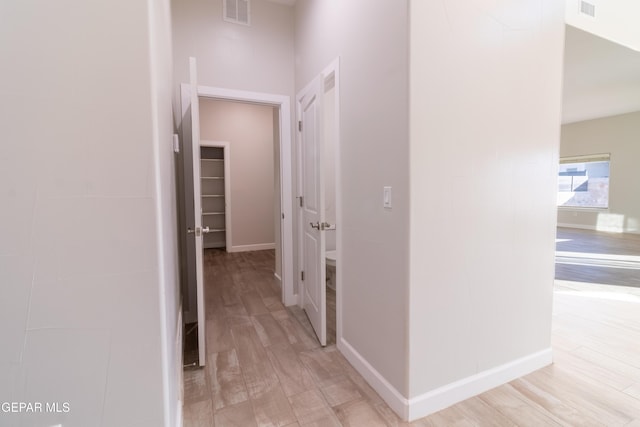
(213, 189)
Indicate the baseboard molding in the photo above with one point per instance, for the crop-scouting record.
(180, 363)
(580, 226)
(247, 248)
(595, 228)
(389, 394)
(450, 394)
(179, 415)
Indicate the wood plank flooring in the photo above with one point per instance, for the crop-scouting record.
(598, 257)
(266, 368)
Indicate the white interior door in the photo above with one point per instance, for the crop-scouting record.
(314, 300)
(197, 207)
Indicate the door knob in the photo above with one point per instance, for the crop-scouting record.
(206, 229)
(197, 231)
(316, 225)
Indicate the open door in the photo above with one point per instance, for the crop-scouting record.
(314, 299)
(197, 231)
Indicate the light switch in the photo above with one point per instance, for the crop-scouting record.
(387, 197)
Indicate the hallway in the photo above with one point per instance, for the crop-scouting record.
(264, 363)
(265, 367)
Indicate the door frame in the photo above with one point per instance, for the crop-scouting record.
(330, 74)
(283, 104)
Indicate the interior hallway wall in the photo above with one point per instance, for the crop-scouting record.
(249, 130)
(617, 135)
(485, 122)
(88, 269)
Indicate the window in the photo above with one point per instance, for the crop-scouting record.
(583, 182)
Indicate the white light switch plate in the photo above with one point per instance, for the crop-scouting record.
(386, 197)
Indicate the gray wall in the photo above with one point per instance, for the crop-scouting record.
(619, 136)
(248, 129)
(88, 298)
(371, 39)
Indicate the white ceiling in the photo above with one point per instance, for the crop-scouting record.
(601, 78)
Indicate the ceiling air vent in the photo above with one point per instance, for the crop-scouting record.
(237, 11)
(588, 9)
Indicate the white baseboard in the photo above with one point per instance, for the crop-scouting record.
(595, 228)
(180, 363)
(389, 394)
(580, 226)
(179, 420)
(247, 248)
(450, 394)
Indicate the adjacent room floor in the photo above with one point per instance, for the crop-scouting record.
(266, 368)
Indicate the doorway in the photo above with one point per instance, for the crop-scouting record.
(193, 301)
(319, 209)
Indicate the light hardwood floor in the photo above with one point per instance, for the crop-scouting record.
(265, 367)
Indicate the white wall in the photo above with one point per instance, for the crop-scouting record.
(484, 151)
(257, 58)
(615, 20)
(601, 78)
(371, 39)
(249, 130)
(88, 301)
(619, 136)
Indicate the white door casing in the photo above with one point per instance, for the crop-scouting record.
(197, 208)
(310, 113)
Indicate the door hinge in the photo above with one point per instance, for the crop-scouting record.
(302, 276)
(301, 201)
(300, 125)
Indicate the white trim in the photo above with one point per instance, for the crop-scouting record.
(389, 394)
(455, 392)
(227, 186)
(586, 158)
(286, 199)
(595, 228)
(199, 239)
(179, 415)
(583, 227)
(180, 363)
(333, 70)
(450, 394)
(248, 248)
